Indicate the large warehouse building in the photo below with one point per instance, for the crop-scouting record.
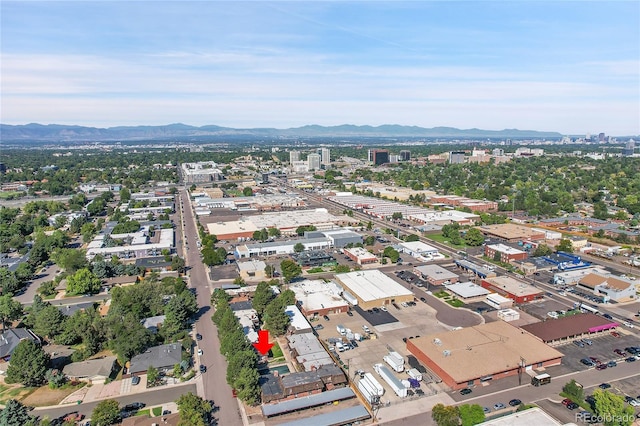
(511, 233)
(517, 290)
(474, 355)
(373, 289)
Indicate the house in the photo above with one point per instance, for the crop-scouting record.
(120, 281)
(69, 310)
(95, 371)
(10, 338)
(162, 357)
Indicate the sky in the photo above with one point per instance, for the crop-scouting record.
(566, 66)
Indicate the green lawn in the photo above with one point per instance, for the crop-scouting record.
(276, 352)
(156, 411)
(444, 240)
(440, 294)
(455, 303)
(145, 412)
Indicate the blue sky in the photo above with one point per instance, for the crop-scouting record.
(566, 66)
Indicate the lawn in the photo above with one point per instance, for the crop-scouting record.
(444, 240)
(315, 270)
(455, 303)
(156, 411)
(276, 351)
(440, 294)
(18, 392)
(43, 396)
(145, 412)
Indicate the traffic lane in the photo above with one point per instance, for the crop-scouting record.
(560, 412)
(215, 385)
(31, 289)
(151, 397)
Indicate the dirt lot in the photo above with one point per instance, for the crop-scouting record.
(44, 396)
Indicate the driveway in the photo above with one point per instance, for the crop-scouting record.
(453, 317)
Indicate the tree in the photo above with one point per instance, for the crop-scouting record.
(276, 319)
(445, 415)
(48, 322)
(369, 240)
(612, 409)
(542, 250)
(70, 260)
(497, 256)
(300, 230)
(55, 378)
(9, 283)
(340, 269)
(574, 390)
(391, 253)
(106, 413)
(24, 272)
(396, 215)
(247, 191)
(14, 414)
(237, 361)
(269, 271)
(10, 310)
(82, 282)
(471, 414)
(262, 297)
(474, 237)
(178, 264)
(28, 364)
(125, 195)
(274, 232)
(565, 245)
(298, 248)
(411, 237)
(152, 375)
(247, 385)
(290, 270)
(194, 411)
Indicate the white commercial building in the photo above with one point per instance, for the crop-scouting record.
(498, 301)
(467, 290)
(297, 322)
(313, 162)
(419, 249)
(317, 297)
(325, 155)
(372, 288)
(201, 172)
(294, 156)
(572, 277)
(508, 315)
(360, 255)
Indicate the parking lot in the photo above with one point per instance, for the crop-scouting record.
(540, 308)
(601, 349)
(412, 321)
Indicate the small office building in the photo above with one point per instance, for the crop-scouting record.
(372, 288)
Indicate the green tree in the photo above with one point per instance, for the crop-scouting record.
(247, 385)
(298, 248)
(269, 271)
(28, 364)
(391, 253)
(290, 270)
(83, 282)
(542, 250)
(10, 310)
(396, 215)
(14, 413)
(106, 413)
(600, 210)
(194, 411)
(152, 375)
(340, 269)
(236, 362)
(445, 415)
(70, 260)
(565, 245)
(178, 264)
(274, 232)
(574, 391)
(55, 378)
(411, 237)
(48, 322)
(125, 195)
(262, 297)
(497, 256)
(474, 237)
(9, 283)
(612, 408)
(471, 414)
(369, 225)
(369, 240)
(24, 272)
(300, 230)
(247, 191)
(276, 319)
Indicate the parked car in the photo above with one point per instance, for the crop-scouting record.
(566, 401)
(350, 313)
(612, 364)
(588, 341)
(630, 359)
(200, 352)
(607, 316)
(465, 391)
(198, 336)
(383, 309)
(318, 327)
(486, 410)
(601, 367)
(619, 352)
(498, 406)
(326, 317)
(579, 343)
(604, 386)
(515, 402)
(134, 406)
(615, 334)
(73, 417)
(135, 380)
(572, 406)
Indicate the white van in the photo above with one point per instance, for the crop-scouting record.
(339, 347)
(340, 328)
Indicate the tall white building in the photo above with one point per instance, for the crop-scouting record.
(313, 160)
(325, 156)
(294, 156)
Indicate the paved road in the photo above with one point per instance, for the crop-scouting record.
(214, 380)
(151, 398)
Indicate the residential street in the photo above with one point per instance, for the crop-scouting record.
(214, 380)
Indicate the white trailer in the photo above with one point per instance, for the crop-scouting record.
(391, 380)
(379, 390)
(349, 298)
(367, 393)
(395, 361)
(415, 374)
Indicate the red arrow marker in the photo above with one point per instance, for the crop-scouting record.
(263, 344)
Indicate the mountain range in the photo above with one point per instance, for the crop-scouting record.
(69, 133)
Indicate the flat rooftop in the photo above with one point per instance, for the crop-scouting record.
(573, 325)
(436, 272)
(372, 285)
(482, 350)
(231, 227)
(467, 289)
(317, 294)
(530, 417)
(509, 231)
(418, 246)
(513, 286)
(503, 248)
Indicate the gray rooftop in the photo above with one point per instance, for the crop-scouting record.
(10, 338)
(340, 417)
(307, 401)
(163, 356)
(90, 368)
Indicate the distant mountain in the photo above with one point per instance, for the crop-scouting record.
(62, 133)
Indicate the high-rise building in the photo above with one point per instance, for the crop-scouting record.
(294, 156)
(405, 155)
(629, 148)
(456, 157)
(313, 161)
(325, 156)
(3, 169)
(379, 156)
(601, 137)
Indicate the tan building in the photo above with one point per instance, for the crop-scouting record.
(474, 355)
(252, 270)
(511, 233)
(373, 289)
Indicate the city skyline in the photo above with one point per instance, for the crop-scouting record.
(570, 67)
